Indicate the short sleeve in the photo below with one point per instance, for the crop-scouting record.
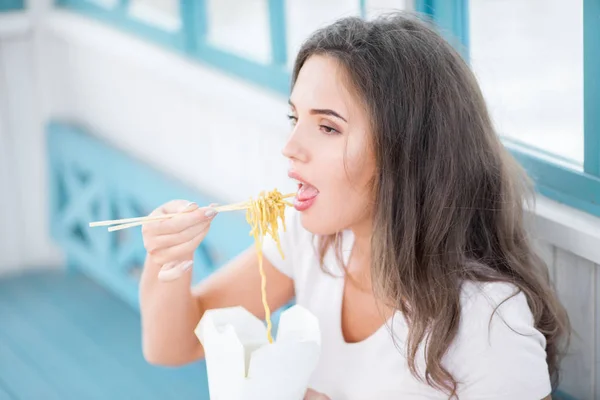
(290, 235)
(501, 359)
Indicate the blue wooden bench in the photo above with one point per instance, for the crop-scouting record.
(90, 181)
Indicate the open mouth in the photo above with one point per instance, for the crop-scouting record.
(306, 195)
(306, 192)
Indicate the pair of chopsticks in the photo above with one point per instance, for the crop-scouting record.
(124, 223)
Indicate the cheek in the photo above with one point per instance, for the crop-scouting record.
(355, 188)
(346, 195)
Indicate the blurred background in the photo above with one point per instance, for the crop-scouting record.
(109, 108)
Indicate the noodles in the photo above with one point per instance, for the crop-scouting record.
(262, 214)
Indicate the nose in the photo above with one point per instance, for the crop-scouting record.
(294, 149)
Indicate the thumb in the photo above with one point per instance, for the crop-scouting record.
(312, 395)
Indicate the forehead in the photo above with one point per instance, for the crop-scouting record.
(322, 83)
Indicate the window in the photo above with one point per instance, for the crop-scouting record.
(528, 57)
(537, 62)
(554, 130)
(241, 27)
(156, 20)
(161, 13)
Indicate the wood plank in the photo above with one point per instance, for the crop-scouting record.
(46, 353)
(575, 286)
(116, 329)
(79, 349)
(98, 334)
(21, 376)
(4, 391)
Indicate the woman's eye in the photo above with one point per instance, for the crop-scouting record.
(329, 130)
(293, 120)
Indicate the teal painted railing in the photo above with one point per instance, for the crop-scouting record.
(11, 5)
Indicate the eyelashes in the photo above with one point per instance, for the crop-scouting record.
(327, 130)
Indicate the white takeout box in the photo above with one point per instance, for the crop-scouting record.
(242, 364)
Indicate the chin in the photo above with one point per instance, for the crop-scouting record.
(317, 225)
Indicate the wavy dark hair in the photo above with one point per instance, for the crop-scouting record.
(449, 200)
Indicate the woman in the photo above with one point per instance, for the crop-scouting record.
(407, 239)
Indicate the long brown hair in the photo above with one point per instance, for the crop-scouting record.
(448, 198)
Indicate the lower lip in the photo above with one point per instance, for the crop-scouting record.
(303, 205)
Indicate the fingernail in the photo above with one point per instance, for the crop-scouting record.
(187, 206)
(187, 265)
(211, 212)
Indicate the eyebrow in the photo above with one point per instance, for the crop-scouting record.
(322, 111)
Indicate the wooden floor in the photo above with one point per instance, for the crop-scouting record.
(64, 337)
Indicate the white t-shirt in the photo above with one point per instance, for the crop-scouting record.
(491, 364)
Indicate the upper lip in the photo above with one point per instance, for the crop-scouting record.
(296, 176)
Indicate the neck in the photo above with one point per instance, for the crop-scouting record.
(361, 250)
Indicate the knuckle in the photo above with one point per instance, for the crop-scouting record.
(150, 242)
(157, 211)
(150, 229)
(152, 248)
(147, 243)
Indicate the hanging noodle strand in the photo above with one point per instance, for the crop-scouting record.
(263, 215)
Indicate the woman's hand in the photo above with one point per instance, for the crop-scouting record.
(312, 395)
(169, 312)
(171, 243)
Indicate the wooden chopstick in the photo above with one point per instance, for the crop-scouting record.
(231, 207)
(125, 223)
(130, 220)
(143, 220)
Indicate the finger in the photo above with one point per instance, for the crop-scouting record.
(179, 223)
(183, 221)
(173, 207)
(181, 250)
(165, 241)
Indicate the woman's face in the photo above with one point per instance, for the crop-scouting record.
(329, 149)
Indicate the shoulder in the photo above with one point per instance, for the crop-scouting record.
(494, 301)
(497, 313)
(498, 352)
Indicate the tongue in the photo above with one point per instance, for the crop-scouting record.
(307, 192)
